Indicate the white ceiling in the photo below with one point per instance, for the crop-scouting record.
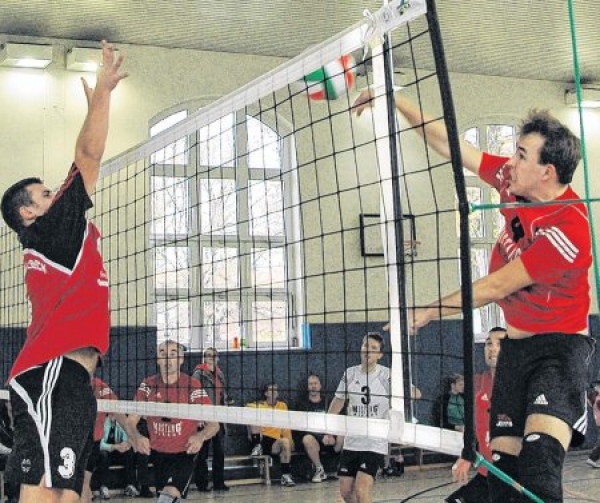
(516, 38)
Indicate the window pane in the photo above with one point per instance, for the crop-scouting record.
(170, 205)
(263, 146)
(265, 208)
(269, 321)
(221, 323)
(218, 207)
(220, 268)
(497, 217)
(501, 139)
(479, 262)
(173, 321)
(476, 218)
(174, 153)
(172, 267)
(268, 268)
(217, 143)
(471, 136)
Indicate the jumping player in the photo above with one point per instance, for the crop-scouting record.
(539, 277)
(52, 400)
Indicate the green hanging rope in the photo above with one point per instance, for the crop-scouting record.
(586, 173)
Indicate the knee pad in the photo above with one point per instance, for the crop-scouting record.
(540, 466)
(501, 492)
(167, 498)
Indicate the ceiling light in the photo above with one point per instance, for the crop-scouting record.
(25, 55)
(590, 96)
(85, 59)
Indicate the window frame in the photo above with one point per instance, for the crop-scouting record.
(491, 315)
(245, 293)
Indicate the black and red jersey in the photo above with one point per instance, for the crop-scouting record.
(170, 435)
(66, 282)
(554, 244)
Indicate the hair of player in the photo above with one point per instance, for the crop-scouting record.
(15, 197)
(210, 348)
(561, 147)
(497, 329)
(376, 336)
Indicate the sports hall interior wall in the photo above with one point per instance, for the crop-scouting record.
(43, 111)
(42, 114)
(335, 346)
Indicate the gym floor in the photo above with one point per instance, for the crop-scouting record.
(430, 485)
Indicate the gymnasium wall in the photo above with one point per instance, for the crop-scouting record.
(43, 111)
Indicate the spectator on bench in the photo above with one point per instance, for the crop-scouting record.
(102, 391)
(270, 440)
(115, 450)
(141, 462)
(213, 381)
(6, 443)
(315, 443)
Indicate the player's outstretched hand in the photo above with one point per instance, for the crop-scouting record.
(363, 102)
(418, 317)
(109, 73)
(460, 471)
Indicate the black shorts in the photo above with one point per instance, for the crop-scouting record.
(476, 491)
(542, 374)
(267, 444)
(352, 462)
(172, 469)
(93, 459)
(54, 412)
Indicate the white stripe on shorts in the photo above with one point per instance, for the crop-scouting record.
(41, 413)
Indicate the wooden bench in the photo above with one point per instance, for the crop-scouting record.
(264, 462)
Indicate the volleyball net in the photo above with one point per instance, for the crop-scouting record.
(280, 229)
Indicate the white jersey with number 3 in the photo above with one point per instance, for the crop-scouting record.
(368, 395)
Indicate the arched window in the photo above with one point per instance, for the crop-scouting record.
(218, 232)
(485, 225)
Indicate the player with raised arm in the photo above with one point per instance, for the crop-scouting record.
(53, 403)
(539, 277)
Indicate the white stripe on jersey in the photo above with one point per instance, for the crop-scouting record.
(198, 394)
(561, 242)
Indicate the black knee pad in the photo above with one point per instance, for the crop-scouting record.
(501, 492)
(540, 466)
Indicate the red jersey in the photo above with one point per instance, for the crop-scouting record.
(213, 381)
(483, 396)
(102, 391)
(554, 244)
(170, 435)
(66, 282)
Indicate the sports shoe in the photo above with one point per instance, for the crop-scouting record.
(287, 480)
(131, 491)
(592, 463)
(104, 495)
(257, 450)
(319, 474)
